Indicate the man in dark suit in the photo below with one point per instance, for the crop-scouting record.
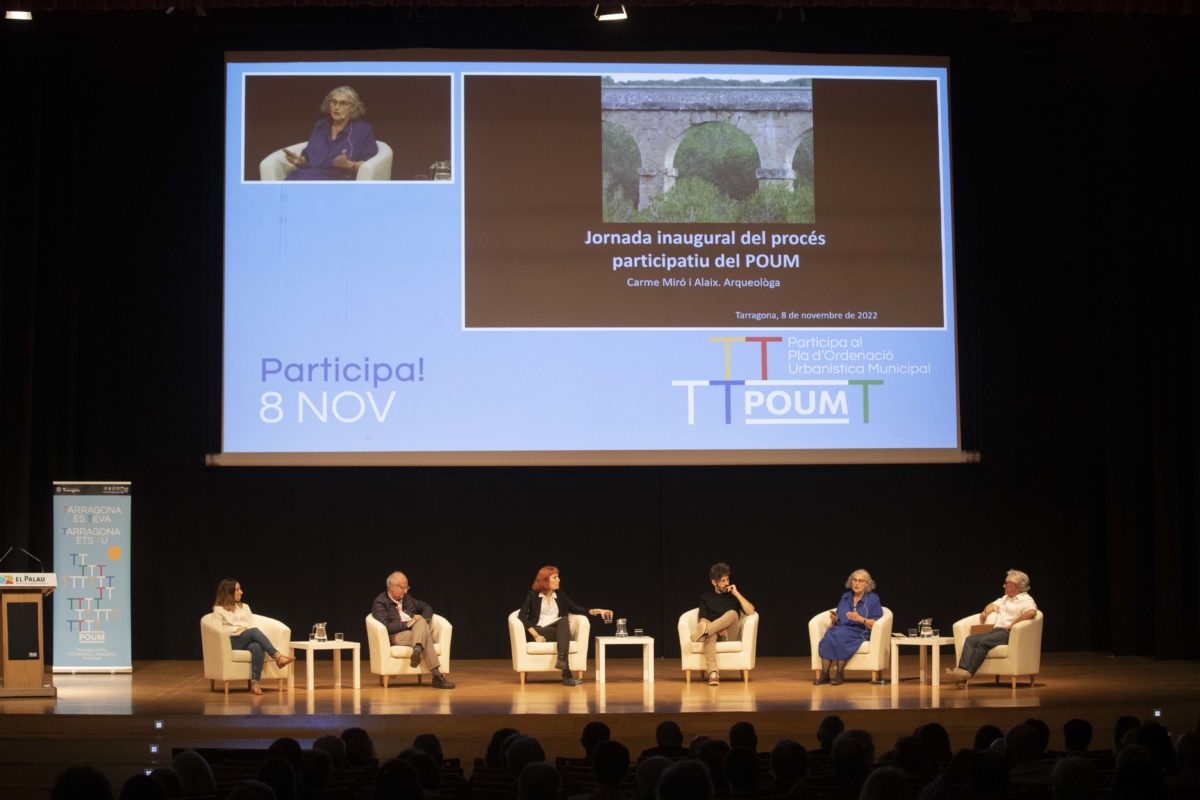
(407, 620)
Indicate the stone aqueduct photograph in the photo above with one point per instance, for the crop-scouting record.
(702, 149)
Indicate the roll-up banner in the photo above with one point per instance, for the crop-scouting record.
(92, 521)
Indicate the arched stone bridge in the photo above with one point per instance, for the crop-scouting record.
(658, 117)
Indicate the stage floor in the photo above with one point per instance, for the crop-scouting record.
(110, 720)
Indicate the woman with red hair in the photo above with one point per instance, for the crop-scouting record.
(544, 614)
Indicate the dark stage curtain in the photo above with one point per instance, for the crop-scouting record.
(1074, 182)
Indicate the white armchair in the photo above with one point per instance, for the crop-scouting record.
(874, 654)
(275, 167)
(223, 663)
(1021, 656)
(734, 654)
(540, 656)
(389, 659)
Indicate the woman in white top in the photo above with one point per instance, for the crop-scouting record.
(237, 623)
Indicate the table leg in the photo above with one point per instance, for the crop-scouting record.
(292, 673)
(337, 668)
(600, 661)
(924, 651)
(308, 665)
(354, 654)
(648, 662)
(895, 663)
(937, 656)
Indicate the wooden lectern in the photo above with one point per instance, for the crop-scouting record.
(22, 644)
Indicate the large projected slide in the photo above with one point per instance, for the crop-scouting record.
(519, 259)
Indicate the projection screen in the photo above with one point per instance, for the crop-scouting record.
(515, 258)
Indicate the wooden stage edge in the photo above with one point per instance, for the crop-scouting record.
(115, 721)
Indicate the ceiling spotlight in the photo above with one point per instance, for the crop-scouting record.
(610, 12)
(23, 16)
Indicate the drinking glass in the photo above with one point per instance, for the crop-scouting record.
(339, 637)
(912, 633)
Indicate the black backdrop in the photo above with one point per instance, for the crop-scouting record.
(1074, 179)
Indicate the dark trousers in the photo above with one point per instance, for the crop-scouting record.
(975, 648)
(559, 632)
(257, 643)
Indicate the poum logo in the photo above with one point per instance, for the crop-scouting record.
(764, 401)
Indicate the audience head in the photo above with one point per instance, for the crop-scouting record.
(685, 780)
(194, 772)
(430, 745)
(1137, 776)
(610, 762)
(396, 780)
(1187, 752)
(712, 754)
(986, 735)
(494, 757)
(937, 743)
(741, 769)
(742, 734)
(277, 773)
(360, 750)
(885, 783)
(1043, 732)
(332, 746)
(849, 758)
(315, 772)
(988, 773)
(523, 750)
(288, 749)
(1077, 735)
(251, 790)
(909, 755)
(1155, 738)
(538, 781)
(593, 734)
(429, 772)
(695, 745)
(828, 730)
(648, 773)
(865, 737)
(170, 780)
(1023, 744)
(789, 761)
(1123, 725)
(668, 734)
(143, 787)
(1075, 778)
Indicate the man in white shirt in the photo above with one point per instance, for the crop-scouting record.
(1015, 606)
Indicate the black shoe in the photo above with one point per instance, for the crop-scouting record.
(415, 661)
(561, 664)
(838, 679)
(442, 682)
(822, 679)
(572, 681)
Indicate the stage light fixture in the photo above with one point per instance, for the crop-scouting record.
(153, 749)
(19, 16)
(158, 724)
(610, 12)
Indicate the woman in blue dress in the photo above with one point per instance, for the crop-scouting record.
(340, 142)
(850, 625)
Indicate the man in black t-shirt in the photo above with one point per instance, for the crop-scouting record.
(720, 617)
